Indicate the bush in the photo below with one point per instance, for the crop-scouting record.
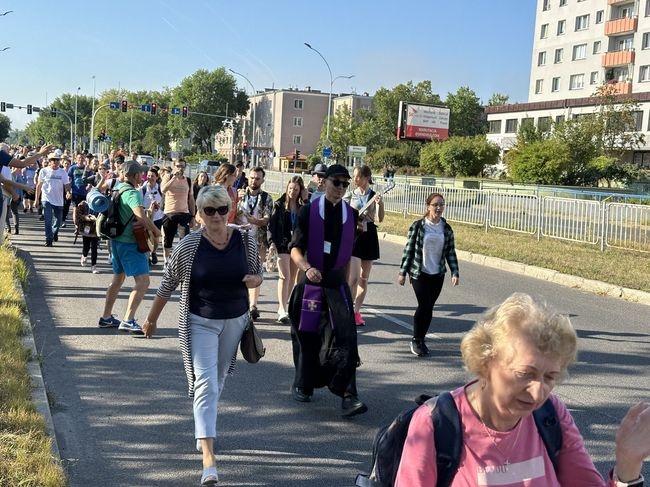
(397, 156)
(459, 156)
(543, 162)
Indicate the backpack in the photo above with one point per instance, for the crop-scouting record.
(109, 223)
(448, 438)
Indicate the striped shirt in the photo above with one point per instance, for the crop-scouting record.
(412, 254)
(179, 271)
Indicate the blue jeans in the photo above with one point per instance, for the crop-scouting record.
(52, 228)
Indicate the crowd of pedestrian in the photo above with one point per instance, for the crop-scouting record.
(325, 238)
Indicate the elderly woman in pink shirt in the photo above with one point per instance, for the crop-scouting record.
(519, 351)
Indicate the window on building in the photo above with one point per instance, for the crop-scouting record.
(494, 126)
(546, 5)
(644, 73)
(647, 8)
(559, 119)
(638, 120)
(579, 52)
(645, 41)
(597, 47)
(593, 78)
(625, 44)
(625, 13)
(544, 33)
(577, 82)
(297, 140)
(600, 15)
(511, 126)
(559, 54)
(297, 121)
(544, 123)
(298, 104)
(555, 84)
(541, 58)
(527, 122)
(582, 22)
(563, 3)
(561, 27)
(539, 86)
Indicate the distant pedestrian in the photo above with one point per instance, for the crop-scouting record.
(200, 181)
(85, 222)
(429, 249)
(152, 201)
(179, 205)
(53, 189)
(281, 226)
(241, 182)
(215, 267)
(226, 176)
(316, 186)
(366, 245)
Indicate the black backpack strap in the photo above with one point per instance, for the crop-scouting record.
(549, 428)
(448, 437)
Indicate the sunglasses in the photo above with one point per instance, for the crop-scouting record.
(338, 182)
(211, 210)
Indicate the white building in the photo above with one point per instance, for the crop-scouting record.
(579, 45)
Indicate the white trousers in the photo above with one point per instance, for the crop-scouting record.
(214, 343)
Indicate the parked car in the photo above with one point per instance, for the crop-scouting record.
(209, 166)
(146, 159)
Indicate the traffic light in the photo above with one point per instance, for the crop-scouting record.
(184, 112)
(125, 105)
(29, 109)
(52, 112)
(102, 134)
(154, 107)
(3, 107)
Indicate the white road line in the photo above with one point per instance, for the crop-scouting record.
(397, 321)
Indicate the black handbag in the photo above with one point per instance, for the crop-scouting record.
(251, 346)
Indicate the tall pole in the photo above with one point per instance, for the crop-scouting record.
(329, 100)
(254, 105)
(76, 96)
(131, 133)
(92, 110)
(92, 122)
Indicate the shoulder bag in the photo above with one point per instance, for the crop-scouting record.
(251, 346)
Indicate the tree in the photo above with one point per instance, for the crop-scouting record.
(459, 156)
(208, 92)
(57, 130)
(18, 137)
(541, 162)
(466, 116)
(498, 99)
(342, 133)
(5, 127)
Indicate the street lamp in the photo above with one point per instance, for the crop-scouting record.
(76, 96)
(329, 100)
(92, 110)
(254, 104)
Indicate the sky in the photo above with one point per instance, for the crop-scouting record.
(56, 47)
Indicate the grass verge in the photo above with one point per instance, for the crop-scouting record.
(25, 447)
(614, 266)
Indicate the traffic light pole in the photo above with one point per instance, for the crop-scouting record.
(92, 128)
(69, 120)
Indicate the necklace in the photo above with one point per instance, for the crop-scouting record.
(506, 457)
(215, 242)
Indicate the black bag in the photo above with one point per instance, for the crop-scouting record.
(448, 438)
(251, 345)
(109, 223)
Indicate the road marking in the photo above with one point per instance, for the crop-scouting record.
(397, 321)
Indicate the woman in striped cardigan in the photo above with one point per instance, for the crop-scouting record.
(214, 266)
(429, 245)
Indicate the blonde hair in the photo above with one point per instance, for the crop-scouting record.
(519, 315)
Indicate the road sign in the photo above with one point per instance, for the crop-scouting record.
(145, 108)
(327, 151)
(114, 105)
(176, 111)
(107, 138)
(357, 151)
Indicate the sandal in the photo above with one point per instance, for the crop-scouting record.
(209, 477)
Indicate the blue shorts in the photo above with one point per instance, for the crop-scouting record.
(127, 259)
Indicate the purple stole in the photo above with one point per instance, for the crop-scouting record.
(312, 299)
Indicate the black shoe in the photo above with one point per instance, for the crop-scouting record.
(56, 237)
(255, 314)
(351, 406)
(16, 231)
(154, 258)
(419, 348)
(48, 243)
(299, 395)
(41, 218)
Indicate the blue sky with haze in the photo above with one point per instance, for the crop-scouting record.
(57, 46)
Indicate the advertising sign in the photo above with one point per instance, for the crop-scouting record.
(423, 122)
(357, 151)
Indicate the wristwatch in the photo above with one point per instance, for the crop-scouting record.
(633, 483)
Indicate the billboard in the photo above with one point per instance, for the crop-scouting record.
(422, 122)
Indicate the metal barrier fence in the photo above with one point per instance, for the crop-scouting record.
(603, 223)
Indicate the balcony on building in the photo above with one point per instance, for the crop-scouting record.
(619, 2)
(621, 87)
(621, 26)
(612, 59)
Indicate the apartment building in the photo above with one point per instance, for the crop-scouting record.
(578, 46)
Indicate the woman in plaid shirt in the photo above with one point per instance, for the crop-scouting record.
(429, 249)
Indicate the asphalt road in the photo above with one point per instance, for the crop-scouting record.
(119, 402)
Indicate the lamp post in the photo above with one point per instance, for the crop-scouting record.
(92, 110)
(76, 96)
(254, 104)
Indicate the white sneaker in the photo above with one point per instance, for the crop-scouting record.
(84, 261)
(94, 269)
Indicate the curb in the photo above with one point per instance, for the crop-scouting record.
(588, 285)
(39, 393)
